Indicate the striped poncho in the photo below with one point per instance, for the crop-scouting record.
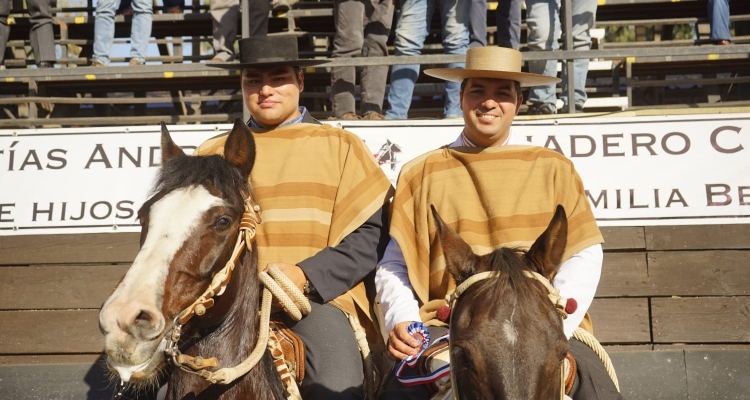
(501, 196)
(315, 184)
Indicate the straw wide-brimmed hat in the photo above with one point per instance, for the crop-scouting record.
(495, 63)
(268, 51)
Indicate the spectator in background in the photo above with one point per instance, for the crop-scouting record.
(411, 30)
(225, 14)
(362, 29)
(508, 19)
(478, 23)
(170, 7)
(104, 31)
(40, 33)
(718, 18)
(543, 19)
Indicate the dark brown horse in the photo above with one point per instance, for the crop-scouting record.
(506, 336)
(189, 230)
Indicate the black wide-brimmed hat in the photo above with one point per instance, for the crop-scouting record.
(268, 51)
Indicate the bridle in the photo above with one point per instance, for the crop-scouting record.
(553, 293)
(275, 283)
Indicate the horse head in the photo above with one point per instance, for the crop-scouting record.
(189, 228)
(506, 336)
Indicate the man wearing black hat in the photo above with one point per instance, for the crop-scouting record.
(322, 199)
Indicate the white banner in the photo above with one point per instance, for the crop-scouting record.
(666, 170)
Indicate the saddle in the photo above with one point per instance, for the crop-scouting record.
(292, 350)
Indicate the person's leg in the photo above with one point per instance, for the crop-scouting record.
(41, 36)
(333, 363)
(411, 31)
(224, 14)
(347, 42)
(592, 380)
(104, 29)
(478, 23)
(394, 390)
(508, 17)
(4, 28)
(584, 17)
(454, 15)
(543, 20)
(258, 15)
(140, 31)
(379, 17)
(718, 18)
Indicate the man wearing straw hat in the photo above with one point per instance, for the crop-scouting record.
(322, 199)
(468, 184)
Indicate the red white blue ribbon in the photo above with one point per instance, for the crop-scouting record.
(415, 329)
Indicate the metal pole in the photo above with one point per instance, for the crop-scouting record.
(568, 12)
(245, 34)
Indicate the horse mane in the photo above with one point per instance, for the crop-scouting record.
(183, 170)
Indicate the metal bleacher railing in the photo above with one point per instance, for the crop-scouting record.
(178, 88)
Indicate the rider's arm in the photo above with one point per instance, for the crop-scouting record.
(335, 270)
(578, 278)
(393, 290)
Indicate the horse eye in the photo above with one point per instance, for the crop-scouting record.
(223, 223)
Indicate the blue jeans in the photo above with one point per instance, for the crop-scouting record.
(411, 30)
(718, 18)
(104, 29)
(543, 19)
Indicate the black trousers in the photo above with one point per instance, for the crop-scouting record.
(333, 363)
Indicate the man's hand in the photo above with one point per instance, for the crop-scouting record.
(294, 273)
(400, 343)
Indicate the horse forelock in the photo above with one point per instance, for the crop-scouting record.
(212, 171)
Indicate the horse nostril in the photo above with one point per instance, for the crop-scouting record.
(143, 316)
(142, 321)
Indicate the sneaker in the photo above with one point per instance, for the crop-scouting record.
(135, 62)
(541, 109)
(283, 5)
(97, 63)
(45, 64)
(374, 116)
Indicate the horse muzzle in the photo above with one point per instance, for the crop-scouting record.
(139, 372)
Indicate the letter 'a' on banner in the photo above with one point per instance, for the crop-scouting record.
(637, 171)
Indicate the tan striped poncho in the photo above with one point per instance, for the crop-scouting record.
(503, 196)
(315, 184)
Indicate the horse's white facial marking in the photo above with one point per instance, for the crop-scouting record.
(511, 334)
(172, 220)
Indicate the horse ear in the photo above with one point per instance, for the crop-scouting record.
(169, 149)
(547, 252)
(460, 260)
(239, 149)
